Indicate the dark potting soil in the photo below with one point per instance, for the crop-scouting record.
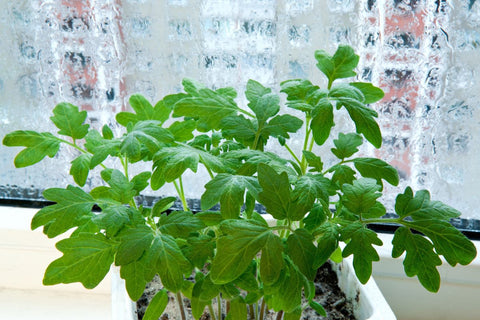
(327, 293)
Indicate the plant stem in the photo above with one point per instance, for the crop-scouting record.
(279, 315)
(180, 305)
(212, 313)
(304, 164)
(293, 155)
(219, 307)
(74, 145)
(251, 311)
(181, 194)
(262, 309)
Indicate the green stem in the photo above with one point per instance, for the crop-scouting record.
(180, 305)
(76, 146)
(304, 164)
(293, 155)
(212, 313)
(180, 193)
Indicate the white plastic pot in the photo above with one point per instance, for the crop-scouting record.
(368, 301)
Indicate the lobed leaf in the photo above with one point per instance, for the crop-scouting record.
(229, 190)
(86, 259)
(361, 196)
(242, 240)
(377, 169)
(71, 205)
(341, 65)
(361, 246)
(421, 260)
(70, 120)
(37, 146)
(346, 145)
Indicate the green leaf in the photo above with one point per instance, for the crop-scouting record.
(135, 275)
(309, 188)
(208, 106)
(229, 190)
(242, 240)
(179, 224)
(361, 246)
(183, 130)
(271, 262)
(199, 249)
(364, 119)
(157, 306)
(378, 210)
(71, 205)
(168, 260)
(140, 181)
(448, 240)
(346, 91)
(239, 128)
(327, 236)
(281, 125)
(171, 162)
(313, 161)
(112, 218)
(210, 218)
(342, 174)
(133, 243)
(80, 168)
(421, 206)
(121, 189)
(370, 92)
(432, 219)
(275, 194)
(301, 250)
(322, 121)
(145, 136)
(346, 145)
(101, 147)
(143, 111)
(318, 308)
(37, 146)
(361, 196)
(162, 205)
(377, 169)
(317, 216)
(341, 65)
(238, 310)
(107, 133)
(69, 120)
(420, 260)
(264, 106)
(286, 293)
(86, 259)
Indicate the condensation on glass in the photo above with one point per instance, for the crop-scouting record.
(424, 54)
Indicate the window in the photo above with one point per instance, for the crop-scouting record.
(95, 54)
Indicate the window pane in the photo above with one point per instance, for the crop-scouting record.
(424, 54)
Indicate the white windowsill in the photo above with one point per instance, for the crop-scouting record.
(25, 254)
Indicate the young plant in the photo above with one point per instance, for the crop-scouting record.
(234, 254)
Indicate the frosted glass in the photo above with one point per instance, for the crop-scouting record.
(95, 54)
